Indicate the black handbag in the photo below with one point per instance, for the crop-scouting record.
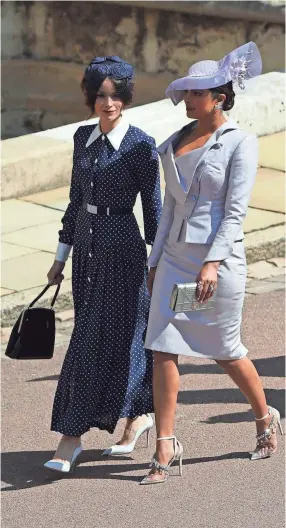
(33, 335)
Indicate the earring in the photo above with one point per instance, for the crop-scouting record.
(218, 106)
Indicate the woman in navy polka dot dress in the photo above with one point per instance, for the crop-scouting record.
(107, 372)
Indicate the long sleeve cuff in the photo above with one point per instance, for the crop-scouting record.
(63, 252)
(218, 253)
(153, 259)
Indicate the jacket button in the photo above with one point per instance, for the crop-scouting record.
(90, 255)
(102, 137)
(95, 161)
(90, 231)
(91, 184)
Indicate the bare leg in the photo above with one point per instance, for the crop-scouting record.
(245, 376)
(165, 391)
(66, 448)
(132, 425)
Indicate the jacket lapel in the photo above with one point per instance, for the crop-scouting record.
(199, 169)
(214, 143)
(169, 165)
(171, 175)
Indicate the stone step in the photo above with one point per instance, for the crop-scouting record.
(44, 159)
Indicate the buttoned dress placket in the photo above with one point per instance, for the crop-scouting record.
(91, 229)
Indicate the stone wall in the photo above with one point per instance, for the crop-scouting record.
(41, 161)
(45, 46)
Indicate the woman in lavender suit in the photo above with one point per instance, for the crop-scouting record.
(210, 167)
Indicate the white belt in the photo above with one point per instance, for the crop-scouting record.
(93, 209)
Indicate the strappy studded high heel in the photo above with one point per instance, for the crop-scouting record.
(262, 449)
(165, 469)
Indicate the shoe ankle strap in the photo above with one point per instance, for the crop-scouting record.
(167, 438)
(263, 417)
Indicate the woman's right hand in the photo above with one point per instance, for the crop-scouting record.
(150, 280)
(55, 275)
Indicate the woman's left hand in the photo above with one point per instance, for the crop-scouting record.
(150, 279)
(207, 281)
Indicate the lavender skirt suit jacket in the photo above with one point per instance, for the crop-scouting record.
(206, 200)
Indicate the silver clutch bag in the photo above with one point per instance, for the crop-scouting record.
(183, 299)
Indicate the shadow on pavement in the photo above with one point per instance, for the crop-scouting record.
(275, 398)
(269, 367)
(22, 470)
(55, 377)
(237, 417)
(192, 368)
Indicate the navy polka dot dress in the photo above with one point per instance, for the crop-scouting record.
(107, 372)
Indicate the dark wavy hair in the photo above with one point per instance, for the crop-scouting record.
(227, 90)
(92, 81)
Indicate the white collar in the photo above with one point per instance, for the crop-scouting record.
(115, 136)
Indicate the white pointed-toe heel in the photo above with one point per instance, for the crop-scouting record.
(65, 466)
(127, 449)
(263, 450)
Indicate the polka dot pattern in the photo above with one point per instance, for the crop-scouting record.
(107, 372)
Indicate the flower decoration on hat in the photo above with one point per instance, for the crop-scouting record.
(238, 66)
(239, 70)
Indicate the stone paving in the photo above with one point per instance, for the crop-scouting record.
(220, 487)
(30, 226)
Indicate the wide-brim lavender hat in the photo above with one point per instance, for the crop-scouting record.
(238, 66)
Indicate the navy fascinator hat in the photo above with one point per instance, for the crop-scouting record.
(112, 66)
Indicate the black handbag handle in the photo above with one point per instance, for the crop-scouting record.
(43, 293)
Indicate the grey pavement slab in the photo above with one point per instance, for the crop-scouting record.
(266, 287)
(280, 279)
(280, 262)
(5, 291)
(265, 244)
(30, 234)
(17, 214)
(268, 192)
(272, 151)
(10, 250)
(263, 270)
(24, 272)
(42, 237)
(257, 219)
(220, 487)
(49, 198)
